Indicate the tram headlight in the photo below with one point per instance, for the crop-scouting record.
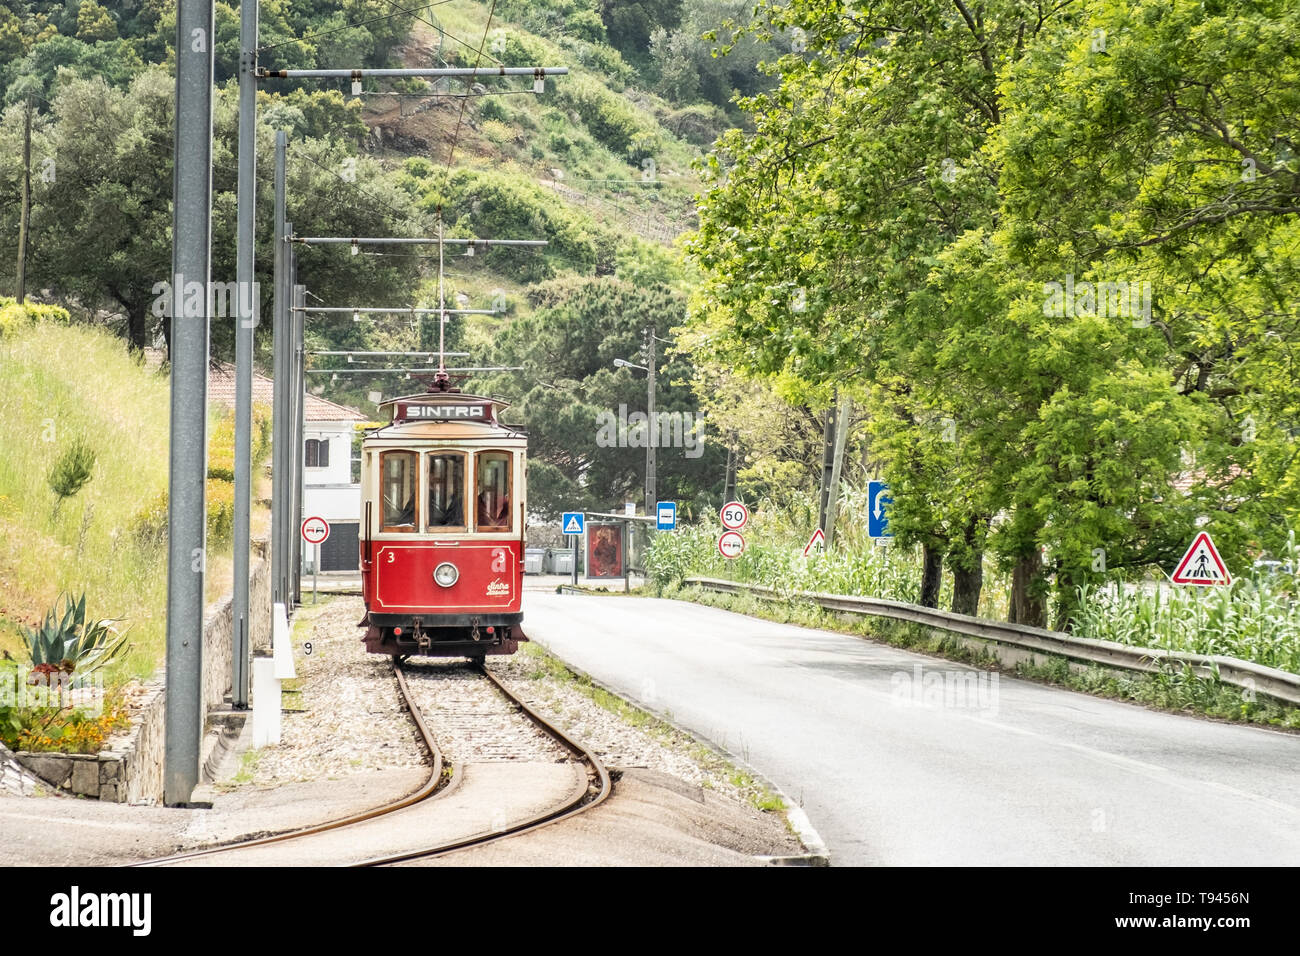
(446, 574)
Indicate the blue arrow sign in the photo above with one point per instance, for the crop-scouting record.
(573, 522)
(666, 512)
(878, 502)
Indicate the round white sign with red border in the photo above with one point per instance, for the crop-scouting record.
(734, 516)
(315, 530)
(731, 544)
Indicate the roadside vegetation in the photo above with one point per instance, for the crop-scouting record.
(1256, 619)
(83, 512)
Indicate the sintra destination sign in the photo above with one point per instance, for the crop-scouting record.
(451, 411)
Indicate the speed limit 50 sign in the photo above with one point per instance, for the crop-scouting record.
(734, 515)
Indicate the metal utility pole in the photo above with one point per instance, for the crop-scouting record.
(828, 462)
(300, 401)
(652, 436)
(25, 216)
(837, 465)
(280, 415)
(246, 209)
(186, 512)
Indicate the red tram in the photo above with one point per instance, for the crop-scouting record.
(442, 545)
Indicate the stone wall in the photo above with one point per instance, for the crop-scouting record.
(130, 768)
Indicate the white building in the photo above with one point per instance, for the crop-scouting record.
(329, 491)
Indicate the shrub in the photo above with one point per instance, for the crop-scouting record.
(221, 512)
(611, 119)
(498, 132)
(14, 316)
(149, 527)
(699, 125)
(491, 109)
(71, 472)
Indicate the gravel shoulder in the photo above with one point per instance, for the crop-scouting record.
(343, 714)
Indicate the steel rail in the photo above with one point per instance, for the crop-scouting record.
(426, 790)
(580, 800)
(1247, 675)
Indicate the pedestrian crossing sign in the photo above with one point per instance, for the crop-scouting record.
(573, 522)
(1201, 565)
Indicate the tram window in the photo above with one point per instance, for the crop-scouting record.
(397, 483)
(446, 490)
(492, 502)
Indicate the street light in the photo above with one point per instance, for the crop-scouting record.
(650, 442)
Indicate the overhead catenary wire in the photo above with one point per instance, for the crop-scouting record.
(417, 371)
(436, 26)
(401, 310)
(350, 26)
(460, 116)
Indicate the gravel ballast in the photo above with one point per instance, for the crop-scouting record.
(348, 717)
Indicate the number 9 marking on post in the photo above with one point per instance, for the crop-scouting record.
(306, 648)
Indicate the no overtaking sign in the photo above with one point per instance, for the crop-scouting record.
(315, 530)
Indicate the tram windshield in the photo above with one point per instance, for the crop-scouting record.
(492, 505)
(398, 477)
(446, 490)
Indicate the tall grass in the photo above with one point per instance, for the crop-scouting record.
(1255, 620)
(59, 384)
(775, 539)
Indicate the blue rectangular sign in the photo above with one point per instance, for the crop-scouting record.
(573, 522)
(666, 515)
(878, 502)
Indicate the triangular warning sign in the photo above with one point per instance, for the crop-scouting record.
(816, 543)
(574, 526)
(1201, 564)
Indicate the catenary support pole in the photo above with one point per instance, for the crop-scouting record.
(652, 436)
(300, 401)
(279, 415)
(249, 311)
(186, 514)
(25, 215)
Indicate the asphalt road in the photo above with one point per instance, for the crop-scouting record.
(899, 758)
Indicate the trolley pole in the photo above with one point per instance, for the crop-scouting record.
(186, 513)
(279, 417)
(245, 275)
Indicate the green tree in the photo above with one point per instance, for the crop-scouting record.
(94, 22)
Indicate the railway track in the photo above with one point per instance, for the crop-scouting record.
(589, 791)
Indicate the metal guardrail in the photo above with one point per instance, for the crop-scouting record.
(1256, 678)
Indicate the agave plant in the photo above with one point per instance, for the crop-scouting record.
(65, 642)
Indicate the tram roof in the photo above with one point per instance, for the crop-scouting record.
(440, 408)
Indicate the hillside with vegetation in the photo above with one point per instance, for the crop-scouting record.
(813, 209)
(601, 164)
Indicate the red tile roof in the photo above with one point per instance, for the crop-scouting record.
(221, 390)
